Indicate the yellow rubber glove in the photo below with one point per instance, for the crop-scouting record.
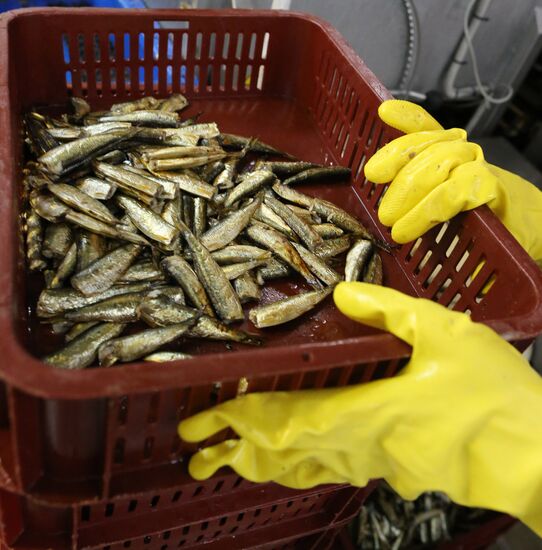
(436, 173)
(463, 417)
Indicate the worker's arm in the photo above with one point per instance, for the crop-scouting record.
(436, 173)
(463, 417)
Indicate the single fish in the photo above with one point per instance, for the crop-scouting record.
(210, 172)
(199, 223)
(247, 288)
(96, 188)
(128, 180)
(339, 217)
(281, 247)
(301, 228)
(160, 119)
(235, 142)
(189, 182)
(90, 247)
(81, 108)
(274, 269)
(334, 247)
(235, 253)
(322, 172)
(233, 271)
(47, 207)
(357, 259)
(135, 346)
(166, 356)
(281, 168)
(77, 329)
(148, 221)
(178, 152)
(267, 215)
(34, 241)
(106, 271)
(57, 301)
(57, 241)
(147, 102)
(249, 185)
(201, 130)
(82, 351)
(142, 271)
(328, 230)
(181, 271)
(175, 102)
(117, 309)
(229, 228)
(292, 195)
(169, 188)
(213, 329)
(219, 289)
(77, 199)
(325, 273)
(183, 163)
(374, 273)
(65, 268)
(161, 311)
(287, 309)
(224, 179)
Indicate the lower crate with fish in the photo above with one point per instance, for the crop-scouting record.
(73, 436)
(253, 516)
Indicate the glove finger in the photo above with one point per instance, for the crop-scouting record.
(406, 116)
(384, 165)
(470, 185)
(379, 307)
(423, 174)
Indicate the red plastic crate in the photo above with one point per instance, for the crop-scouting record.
(264, 516)
(290, 79)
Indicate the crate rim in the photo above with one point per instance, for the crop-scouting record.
(39, 380)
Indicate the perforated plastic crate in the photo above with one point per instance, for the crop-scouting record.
(264, 516)
(291, 80)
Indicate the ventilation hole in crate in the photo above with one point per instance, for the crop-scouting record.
(383, 189)
(273, 508)
(126, 46)
(113, 80)
(209, 77)
(463, 258)
(186, 529)
(141, 79)
(195, 81)
(441, 289)
(141, 46)
(442, 231)
(452, 246)
(311, 508)
(118, 451)
(235, 78)
(468, 311)
(339, 87)
(81, 48)
(454, 300)
(199, 538)
(238, 482)
(265, 45)
(432, 275)
(261, 73)
(99, 82)
(423, 263)
(226, 46)
(128, 80)
(109, 509)
(252, 46)
(85, 513)
(155, 79)
(266, 521)
(414, 248)
(66, 48)
(198, 491)
(361, 165)
(486, 287)
(333, 79)
(239, 47)
(233, 529)
(339, 136)
(248, 77)
(169, 46)
(204, 525)
(199, 43)
(147, 539)
(475, 272)
(257, 512)
(222, 78)
(181, 543)
(69, 81)
(240, 516)
(155, 500)
(371, 135)
(184, 46)
(96, 47)
(84, 81)
(218, 486)
(176, 496)
(169, 78)
(182, 78)
(127, 544)
(166, 535)
(147, 447)
(156, 46)
(212, 45)
(345, 144)
(123, 410)
(132, 505)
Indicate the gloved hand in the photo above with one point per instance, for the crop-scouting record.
(463, 417)
(436, 173)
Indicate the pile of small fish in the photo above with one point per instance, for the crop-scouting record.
(136, 215)
(387, 522)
